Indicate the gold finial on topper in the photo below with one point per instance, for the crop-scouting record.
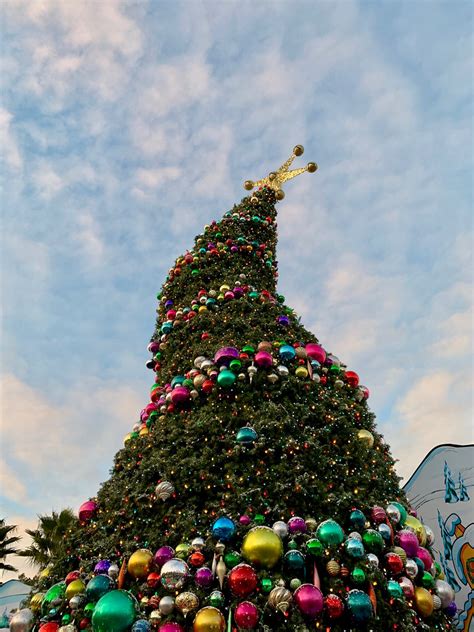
(275, 179)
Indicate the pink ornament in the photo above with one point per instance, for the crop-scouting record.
(87, 510)
(407, 587)
(297, 525)
(315, 352)
(425, 557)
(309, 600)
(408, 542)
(170, 627)
(316, 579)
(204, 577)
(180, 395)
(378, 514)
(171, 314)
(244, 520)
(164, 554)
(263, 359)
(246, 615)
(225, 355)
(153, 347)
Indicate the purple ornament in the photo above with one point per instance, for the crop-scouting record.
(283, 320)
(225, 355)
(164, 554)
(452, 609)
(169, 303)
(424, 555)
(102, 567)
(309, 600)
(244, 520)
(238, 292)
(263, 359)
(204, 577)
(409, 542)
(234, 249)
(297, 525)
(153, 347)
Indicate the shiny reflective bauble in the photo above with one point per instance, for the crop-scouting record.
(140, 563)
(174, 574)
(209, 619)
(116, 610)
(262, 547)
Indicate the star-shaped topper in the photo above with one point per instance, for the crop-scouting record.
(275, 179)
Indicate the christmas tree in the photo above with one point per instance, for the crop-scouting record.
(255, 492)
(450, 494)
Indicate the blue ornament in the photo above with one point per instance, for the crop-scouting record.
(223, 529)
(354, 548)
(287, 352)
(357, 519)
(294, 560)
(246, 435)
(359, 605)
(177, 380)
(394, 589)
(141, 626)
(166, 328)
(98, 586)
(385, 531)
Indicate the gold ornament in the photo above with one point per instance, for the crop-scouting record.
(415, 525)
(275, 179)
(155, 617)
(424, 601)
(209, 619)
(311, 524)
(280, 598)
(333, 568)
(366, 437)
(35, 602)
(254, 199)
(262, 547)
(75, 587)
(139, 563)
(186, 602)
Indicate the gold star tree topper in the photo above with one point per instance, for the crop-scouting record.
(275, 179)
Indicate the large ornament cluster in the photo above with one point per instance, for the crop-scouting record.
(245, 574)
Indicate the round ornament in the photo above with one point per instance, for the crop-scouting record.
(281, 529)
(394, 589)
(294, 560)
(102, 567)
(246, 436)
(309, 600)
(411, 569)
(35, 602)
(330, 533)
(315, 547)
(242, 580)
(427, 580)
(113, 571)
(444, 592)
(333, 568)
(223, 529)
(417, 527)
(246, 615)
(232, 558)
(140, 563)
(262, 547)
(408, 541)
(354, 548)
(393, 512)
(385, 531)
(204, 577)
(372, 560)
(116, 610)
(70, 577)
(297, 525)
(358, 575)
(174, 574)
(334, 606)
(366, 437)
(357, 519)
(209, 619)
(153, 579)
(280, 598)
(393, 563)
(186, 602)
(76, 587)
(424, 601)
(98, 586)
(226, 378)
(164, 554)
(373, 541)
(22, 621)
(171, 626)
(452, 609)
(216, 599)
(166, 605)
(53, 597)
(164, 490)
(87, 510)
(407, 587)
(141, 625)
(425, 557)
(359, 605)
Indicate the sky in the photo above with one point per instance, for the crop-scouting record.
(128, 126)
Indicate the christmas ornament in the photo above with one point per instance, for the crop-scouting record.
(116, 610)
(76, 587)
(417, 527)
(174, 573)
(140, 563)
(22, 621)
(209, 619)
(223, 529)
(394, 589)
(246, 436)
(334, 606)
(354, 548)
(407, 587)
(333, 568)
(359, 606)
(242, 580)
(393, 563)
(262, 547)
(87, 510)
(294, 560)
(164, 490)
(366, 437)
(408, 542)
(166, 605)
(141, 625)
(54, 596)
(281, 529)
(204, 577)
(280, 598)
(411, 568)
(171, 627)
(102, 567)
(423, 601)
(216, 599)
(186, 602)
(246, 615)
(113, 571)
(330, 533)
(309, 600)
(297, 525)
(164, 554)
(425, 557)
(98, 586)
(70, 577)
(357, 519)
(444, 592)
(373, 541)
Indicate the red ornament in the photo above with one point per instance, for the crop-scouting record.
(352, 378)
(205, 336)
(242, 580)
(197, 559)
(394, 563)
(153, 602)
(334, 606)
(70, 577)
(83, 624)
(49, 627)
(207, 386)
(153, 580)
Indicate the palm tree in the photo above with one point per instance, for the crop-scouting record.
(49, 537)
(6, 542)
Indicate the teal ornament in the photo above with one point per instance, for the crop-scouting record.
(53, 597)
(226, 378)
(166, 328)
(359, 605)
(98, 586)
(115, 611)
(330, 533)
(315, 547)
(216, 599)
(287, 352)
(141, 625)
(385, 531)
(223, 529)
(357, 519)
(294, 560)
(354, 548)
(246, 436)
(403, 512)
(177, 380)
(373, 541)
(394, 589)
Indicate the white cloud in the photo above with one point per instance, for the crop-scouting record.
(10, 150)
(48, 183)
(89, 238)
(154, 178)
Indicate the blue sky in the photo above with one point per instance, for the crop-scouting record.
(128, 126)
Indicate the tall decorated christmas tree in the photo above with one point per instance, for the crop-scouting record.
(255, 492)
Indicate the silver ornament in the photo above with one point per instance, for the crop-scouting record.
(355, 535)
(22, 621)
(283, 370)
(174, 574)
(393, 513)
(281, 529)
(113, 571)
(76, 601)
(166, 605)
(411, 569)
(430, 536)
(372, 560)
(444, 592)
(436, 602)
(338, 383)
(164, 490)
(272, 378)
(198, 544)
(67, 628)
(198, 361)
(316, 378)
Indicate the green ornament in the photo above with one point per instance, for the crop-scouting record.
(182, 551)
(438, 569)
(226, 378)
(266, 584)
(427, 580)
(403, 512)
(246, 435)
(253, 294)
(98, 586)
(358, 575)
(249, 349)
(394, 589)
(52, 597)
(235, 365)
(315, 547)
(330, 533)
(115, 612)
(373, 541)
(89, 609)
(259, 519)
(334, 368)
(292, 544)
(295, 583)
(216, 599)
(232, 558)
(66, 618)
(194, 272)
